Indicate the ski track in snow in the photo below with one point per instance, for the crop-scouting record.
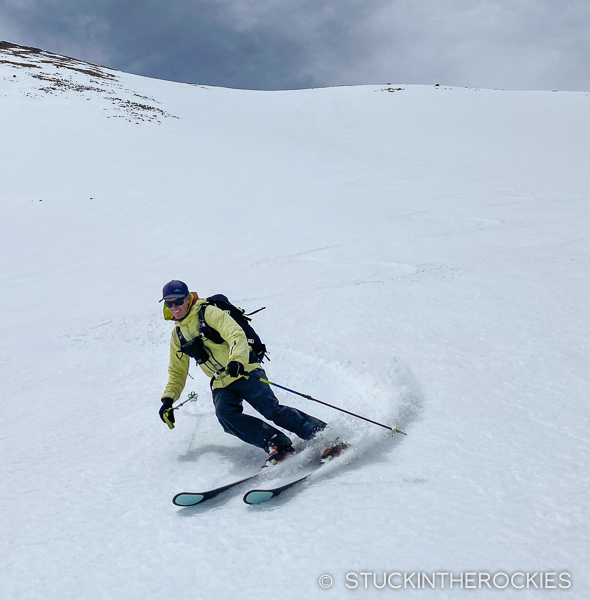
(381, 271)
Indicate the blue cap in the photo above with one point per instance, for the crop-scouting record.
(174, 289)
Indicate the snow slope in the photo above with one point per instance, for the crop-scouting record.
(423, 253)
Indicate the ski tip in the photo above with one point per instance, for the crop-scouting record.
(183, 499)
(258, 496)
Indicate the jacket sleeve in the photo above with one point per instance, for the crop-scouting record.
(231, 332)
(177, 369)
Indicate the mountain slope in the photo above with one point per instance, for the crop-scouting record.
(423, 254)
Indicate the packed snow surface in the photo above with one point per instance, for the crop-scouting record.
(423, 253)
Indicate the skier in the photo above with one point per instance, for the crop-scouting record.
(233, 377)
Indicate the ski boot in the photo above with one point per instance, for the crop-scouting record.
(333, 450)
(278, 455)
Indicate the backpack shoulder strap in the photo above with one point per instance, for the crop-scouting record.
(206, 330)
(181, 337)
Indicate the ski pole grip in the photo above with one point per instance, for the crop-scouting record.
(167, 420)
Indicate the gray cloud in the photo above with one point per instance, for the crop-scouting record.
(152, 38)
(274, 44)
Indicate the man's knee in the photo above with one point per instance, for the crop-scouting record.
(266, 404)
(227, 409)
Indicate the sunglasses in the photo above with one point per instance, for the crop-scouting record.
(177, 302)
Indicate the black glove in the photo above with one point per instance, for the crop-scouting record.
(234, 368)
(166, 412)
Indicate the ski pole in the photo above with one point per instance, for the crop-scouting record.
(192, 397)
(393, 430)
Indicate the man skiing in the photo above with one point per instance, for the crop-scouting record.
(233, 377)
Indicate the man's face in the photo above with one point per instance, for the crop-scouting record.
(178, 307)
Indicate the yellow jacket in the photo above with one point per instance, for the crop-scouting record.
(235, 347)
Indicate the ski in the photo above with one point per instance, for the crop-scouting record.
(185, 499)
(193, 498)
(258, 496)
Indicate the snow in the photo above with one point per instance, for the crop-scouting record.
(423, 256)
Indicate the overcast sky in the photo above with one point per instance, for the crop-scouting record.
(286, 44)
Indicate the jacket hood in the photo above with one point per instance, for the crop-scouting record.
(168, 316)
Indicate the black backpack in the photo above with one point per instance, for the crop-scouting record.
(199, 353)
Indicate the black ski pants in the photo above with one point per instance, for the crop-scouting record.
(229, 411)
